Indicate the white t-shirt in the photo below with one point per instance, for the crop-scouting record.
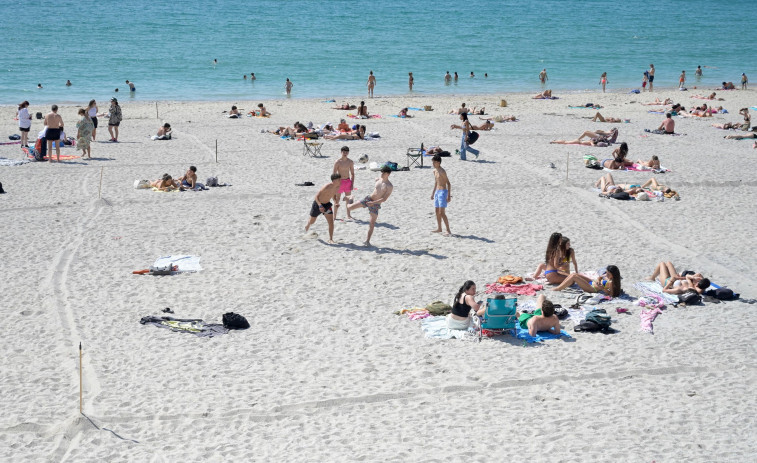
(93, 111)
(24, 119)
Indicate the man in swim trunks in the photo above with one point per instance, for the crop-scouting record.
(132, 88)
(322, 205)
(371, 84)
(189, 180)
(441, 194)
(668, 125)
(543, 76)
(345, 167)
(381, 193)
(543, 318)
(54, 124)
(651, 76)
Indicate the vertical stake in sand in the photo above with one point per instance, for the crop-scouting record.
(100, 191)
(216, 151)
(156, 111)
(567, 165)
(80, 381)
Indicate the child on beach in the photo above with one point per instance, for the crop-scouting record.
(322, 204)
(682, 79)
(441, 195)
(644, 79)
(543, 318)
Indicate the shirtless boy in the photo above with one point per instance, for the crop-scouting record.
(322, 205)
(371, 83)
(441, 194)
(189, 180)
(345, 167)
(543, 319)
(381, 193)
(54, 124)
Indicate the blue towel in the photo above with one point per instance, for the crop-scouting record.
(540, 336)
(416, 109)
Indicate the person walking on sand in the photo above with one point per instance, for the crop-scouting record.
(381, 193)
(288, 86)
(371, 84)
(543, 76)
(54, 124)
(24, 123)
(744, 81)
(464, 143)
(322, 205)
(651, 77)
(682, 79)
(345, 167)
(441, 195)
(603, 81)
(114, 119)
(410, 81)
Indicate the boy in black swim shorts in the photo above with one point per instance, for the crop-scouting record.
(322, 204)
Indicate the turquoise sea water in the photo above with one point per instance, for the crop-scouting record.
(327, 48)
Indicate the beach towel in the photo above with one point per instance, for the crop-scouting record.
(185, 264)
(653, 288)
(186, 325)
(416, 109)
(640, 168)
(372, 116)
(13, 162)
(540, 336)
(647, 318)
(528, 289)
(436, 327)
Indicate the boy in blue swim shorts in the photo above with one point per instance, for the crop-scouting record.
(441, 195)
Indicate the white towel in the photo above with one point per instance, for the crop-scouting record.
(184, 263)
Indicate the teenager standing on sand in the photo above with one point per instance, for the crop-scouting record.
(381, 193)
(322, 205)
(345, 167)
(441, 195)
(54, 124)
(371, 84)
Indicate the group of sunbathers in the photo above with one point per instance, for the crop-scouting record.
(607, 186)
(465, 110)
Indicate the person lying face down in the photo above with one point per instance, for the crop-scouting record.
(543, 318)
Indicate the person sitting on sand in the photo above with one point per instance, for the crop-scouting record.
(461, 110)
(262, 112)
(608, 282)
(673, 283)
(607, 185)
(560, 267)
(343, 126)
(358, 134)
(165, 183)
(189, 180)
(658, 102)
(596, 138)
(543, 318)
(234, 113)
(618, 160)
(737, 125)
(165, 130)
(599, 118)
(322, 204)
(728, 86)
(362, 111)
(668, 125)
(653, 163)
(403, 113)
(464, 302)
(545, 95)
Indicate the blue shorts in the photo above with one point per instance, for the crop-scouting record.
(440, 198)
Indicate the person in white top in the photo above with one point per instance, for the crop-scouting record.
(92, 111)
(24, 123)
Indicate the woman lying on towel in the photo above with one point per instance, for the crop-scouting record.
(673, 283)
(166, 183)
(711, 97)
(607, 185)
(737, 125)
(596, 138)
(464, 302)
(358, 134)
(545, 95)
(608, 283)
(599, 118)
(653, 163)
(486, 126)
(658, 102)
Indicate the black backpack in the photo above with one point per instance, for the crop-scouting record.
(622, 195)
(690, 297)
(472, 137)
(234, 321)
(596, 320)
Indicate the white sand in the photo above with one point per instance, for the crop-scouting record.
(327, 372)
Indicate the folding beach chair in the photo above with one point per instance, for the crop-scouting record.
(499, 315)
(414, 156)
(311, 148)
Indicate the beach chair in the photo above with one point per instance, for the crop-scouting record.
(500, 314)
(311, 148)
(414, 156)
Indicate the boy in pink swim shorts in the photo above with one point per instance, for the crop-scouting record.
(345, 167)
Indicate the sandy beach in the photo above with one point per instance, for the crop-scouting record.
(327, 372)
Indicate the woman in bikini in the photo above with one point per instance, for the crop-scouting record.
(608, 283)
(545, 95)
(596, 138)
(674, 283)
(618, 161)
(362, 111)
(603, 81)
(599, 118)
(653, 163)
(567, 255)
(737, 125)
(607, 186)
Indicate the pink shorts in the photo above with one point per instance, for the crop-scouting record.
(345, 186)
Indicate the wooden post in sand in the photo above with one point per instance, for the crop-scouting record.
(156, 111)
(216, 151)
(567, 166)
(100, 191)
(80, 381)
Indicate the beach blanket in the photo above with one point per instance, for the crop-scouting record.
(528, 289)
(654, 288)
(436, 327)
(656, 112)
(540, 336)
(186, 325)
(13, 162)
(185, 264)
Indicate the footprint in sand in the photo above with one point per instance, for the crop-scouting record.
(310, 236)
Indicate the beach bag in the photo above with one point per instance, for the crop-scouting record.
(439, 308)
(593, 164)
(621, 195)
(472, 137)
(596, 320)
(141, 184)
(211, 181)
(234, 321)
(38, 115)
(690, 297)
